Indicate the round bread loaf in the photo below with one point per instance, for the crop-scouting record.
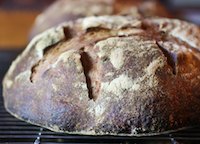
(112, 75)
(65, 10)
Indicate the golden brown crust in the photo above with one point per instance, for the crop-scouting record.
(142, 79)
(66, 10)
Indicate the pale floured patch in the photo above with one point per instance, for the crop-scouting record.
(105, 46)
(154, 65)
(109, 74)
(151, 71)
(39, 43)
(135, 44)
(182, 30)
(79, 65)
(116, 58)
(45, 39)
(23, 75)
(188, 38)
(68, 56)
(123, 82)
(109, 22)
(81, 85)
(8, 83)
(119, 85)
(99, 110)
(64, 57)
(55, 88)
(135, 86)
(48, 38)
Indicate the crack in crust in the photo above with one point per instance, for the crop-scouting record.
(86, 62)
(91, 67)
(171, 58)
(52, 53)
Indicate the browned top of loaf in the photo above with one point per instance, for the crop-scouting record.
(175, 38)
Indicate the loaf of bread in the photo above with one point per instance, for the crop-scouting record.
(65, 10)
(114, 75)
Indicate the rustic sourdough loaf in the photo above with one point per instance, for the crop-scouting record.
(67, 10)
(111, 75)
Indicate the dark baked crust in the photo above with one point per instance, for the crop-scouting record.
(68, 10)
(142, 79)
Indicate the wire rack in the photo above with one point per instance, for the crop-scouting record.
(15, 131)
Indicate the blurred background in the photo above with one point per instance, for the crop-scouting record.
(17, 17)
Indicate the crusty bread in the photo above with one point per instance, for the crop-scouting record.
(111, 75)
(65, 10)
